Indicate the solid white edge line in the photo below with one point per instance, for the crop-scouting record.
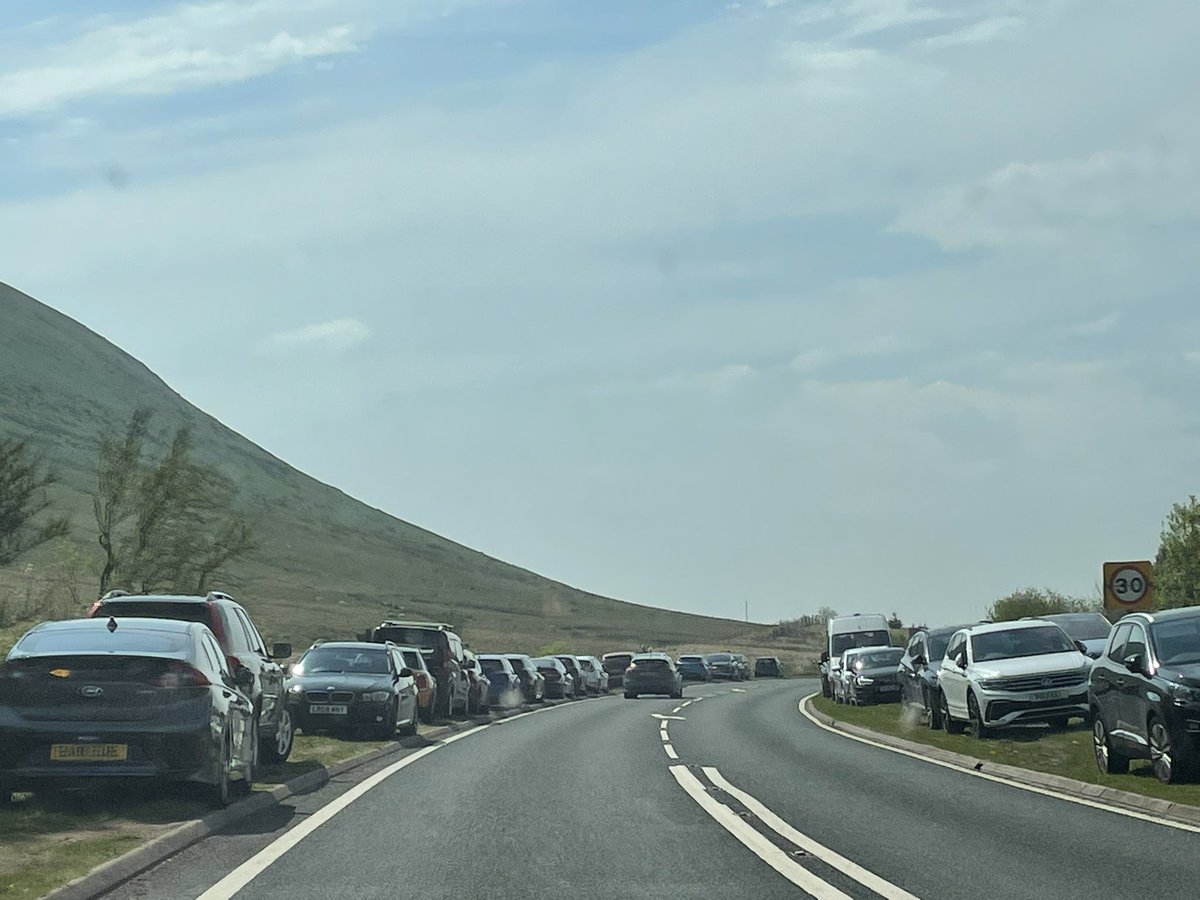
(865, 877)
(755, 842)
(228, 886)
(987, 776)
(670, 751)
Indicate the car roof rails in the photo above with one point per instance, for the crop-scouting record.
(115, 592)
(441, 626)
(219, 595)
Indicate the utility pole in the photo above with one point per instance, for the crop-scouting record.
(747, 616)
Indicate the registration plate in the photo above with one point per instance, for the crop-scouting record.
(327, 709)
(1050, 695)
(89, 752)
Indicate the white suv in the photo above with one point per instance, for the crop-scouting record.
(1009, 673)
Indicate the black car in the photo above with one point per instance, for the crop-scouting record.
(652, 673)
(241, 645)
(768, 667)
(132, 698)
(615, 664)
(723, 665)
(533, 682)
(444, 657)
(1144, 693)
(873, 679)
(345, 686)
(918, 668)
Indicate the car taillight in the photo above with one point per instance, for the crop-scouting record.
(181, 674)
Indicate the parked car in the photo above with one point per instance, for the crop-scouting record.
(768, 667)
(615, 665)
(723, 666)
(652, 673)
(560, 685)
(840, 682)
(1007, 673)
(347, 686)
(595, 679)
(693, 668)
(241, 644)
(572, 663)
(481, 685)
(87, 699)
(504, 687)
(872, 677)
(443, 651)
(917, 672)
(533, 682)
(1089, 628)
(424, 680)
(1145, 695)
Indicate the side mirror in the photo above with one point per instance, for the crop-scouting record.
(243, 679)
(469, 664)
(1081, 647)
(281, 651)
(824, 656)
(1136, 663)
(406, 673)
(961, 659)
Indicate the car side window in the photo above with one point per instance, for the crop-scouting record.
(252, 635)
(215, 659)
(1136, 643)
(235, 634)
(956, 644)
(1120, 639)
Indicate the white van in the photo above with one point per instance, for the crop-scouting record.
(845, 632)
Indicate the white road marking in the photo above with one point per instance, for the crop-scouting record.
(677, 709)
(670, 751)
(866, 878)
(755, 842)
(257, 864)
(667, 718)
(697, 700)
(737, 690)
(987, 776)
(686, 705)
(662, 727)
(663, 735)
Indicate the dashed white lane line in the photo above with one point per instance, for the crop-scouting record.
(667, 718)
(1033, 789)
(737, 690)
(677, 709)
(662, 726)
(257, 864)
(686, 705)
(665, 738)
(670, 751)
(866, 878)
(754, 841)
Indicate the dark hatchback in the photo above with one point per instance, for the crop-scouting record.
(918, 668)
(723, 665)
(136, 698)
(1144, 692)
(768, 667)
(873, 679)
(353, 685)
(693, 668)
(615, 665)
(652, 673)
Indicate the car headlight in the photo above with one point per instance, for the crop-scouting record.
(1182, 695)
(296, 689)
(991, 685)
(863, 679)
(376, 697)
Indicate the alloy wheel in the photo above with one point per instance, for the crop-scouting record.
(1161, 754)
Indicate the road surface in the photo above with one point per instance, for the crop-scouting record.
(733, 794)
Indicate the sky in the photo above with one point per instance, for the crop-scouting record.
(880, 305)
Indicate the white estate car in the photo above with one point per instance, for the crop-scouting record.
(1008, 673)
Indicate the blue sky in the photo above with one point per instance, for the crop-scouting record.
(876, 304)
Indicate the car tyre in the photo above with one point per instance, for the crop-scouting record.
(275, 750)
(950, 724)
(1162, 752)
(978, 728)
(1108, 760)
(221, 793)
(935, 711)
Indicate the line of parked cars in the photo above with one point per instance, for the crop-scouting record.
(1136, 682)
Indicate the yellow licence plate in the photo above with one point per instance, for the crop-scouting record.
(88, 752)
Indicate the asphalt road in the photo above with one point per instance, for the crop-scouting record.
(589, 798)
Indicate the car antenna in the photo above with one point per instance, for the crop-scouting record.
(112, 624)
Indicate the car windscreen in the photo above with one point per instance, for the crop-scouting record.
(156, 609)
(879, 660)
(1177, 642)
(97, 640)
(1019, 642)
(1084, 627)
(847, 640)
(350, 660)
(491, 665)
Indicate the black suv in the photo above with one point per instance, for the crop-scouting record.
(443, 652)
(1144, 692)
(242, 645)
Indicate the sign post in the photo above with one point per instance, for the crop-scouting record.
(1129, 586)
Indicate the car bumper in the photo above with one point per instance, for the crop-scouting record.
(650, 685)
(1001, 708)
(886, 692)
(358, 713)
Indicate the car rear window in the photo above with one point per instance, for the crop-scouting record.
(721, 658)
(651, 664)
(97, 640)
(413, 659)
(422, 638)
(617, 663)
(156, 609)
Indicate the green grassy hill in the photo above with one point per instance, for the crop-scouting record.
(328, 564)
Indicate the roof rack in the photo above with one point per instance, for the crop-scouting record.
(441, 626)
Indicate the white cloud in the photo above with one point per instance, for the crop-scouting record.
(336, 335)
(717, 381)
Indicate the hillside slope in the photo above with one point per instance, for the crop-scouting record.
(328, 564)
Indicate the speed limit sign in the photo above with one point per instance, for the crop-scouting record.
(1128, 586)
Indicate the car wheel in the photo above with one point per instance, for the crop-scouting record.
(951, 725)
(1107, 760)
(935, 711)
(1162, 753)
(978, 729)
(222, 792)
(278, 747)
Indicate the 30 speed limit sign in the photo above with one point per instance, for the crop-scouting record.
(1129, 586)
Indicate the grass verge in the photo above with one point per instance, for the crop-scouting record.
(1067, 752)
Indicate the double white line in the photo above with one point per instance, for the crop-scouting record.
(768, 852)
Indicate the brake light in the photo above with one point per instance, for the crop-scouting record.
(181, 674)
(233, 662)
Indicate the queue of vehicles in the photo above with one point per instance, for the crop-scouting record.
(1136, 682)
